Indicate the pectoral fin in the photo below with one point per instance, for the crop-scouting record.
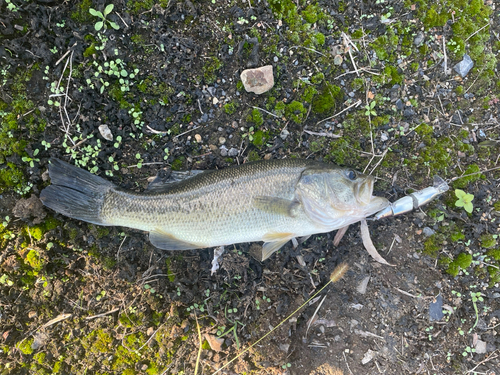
(273, 242)
(276, 205)
(166, 241)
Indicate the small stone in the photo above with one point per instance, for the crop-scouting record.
(198, 138)
(215, 100)
(222, 140)
(436, 309)
(384, 137)
(275, 59)
(284, 133)
(399, 105)
(464, 66)
(233, 152)
(480, 347)
(337, 60)
(419, 38)
(258, 80)
(428, 232)
(223, 150)
(369, 355)
(363, 285)
(105, 132)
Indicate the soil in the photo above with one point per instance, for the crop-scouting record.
(76, 298)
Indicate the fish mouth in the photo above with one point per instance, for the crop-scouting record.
(364, 190)
(364, 196)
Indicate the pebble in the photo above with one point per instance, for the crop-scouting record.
(399, 104)
(436, 309)
(384, 137)
(464, 66)
(223, 150)
(337, 60)
(480, 347)
(419, 38)
(275, 59)
(284, 133)
(233, 152)
(361, 289)
(198, 138)
(222, 140)
(428, 231)
(258, 80)
(105, 132)
(215, 100)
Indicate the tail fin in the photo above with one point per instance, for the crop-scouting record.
(75, 192)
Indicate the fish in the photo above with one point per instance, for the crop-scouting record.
(273, 201)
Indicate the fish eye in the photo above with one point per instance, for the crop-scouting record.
(350, 174)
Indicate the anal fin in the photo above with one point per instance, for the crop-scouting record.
(166, 241)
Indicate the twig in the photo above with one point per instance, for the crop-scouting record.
(263, 110)
(103, 314)
(475, 32)
(345, 109)
(118, 14)
(315, 312)
(445, 57)
(348, 43)
(187, 131)
(323, 134)
(472, 174)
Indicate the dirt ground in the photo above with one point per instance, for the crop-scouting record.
(371, 85)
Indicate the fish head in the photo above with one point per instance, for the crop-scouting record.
(338, 195)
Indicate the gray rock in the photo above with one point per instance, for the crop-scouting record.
(400, 105)
(419, 38)
(233, 151)
(480, 347)
(436, 309)
(427, 231)
(464, 66)
(223, 151)
(284, 133)
(258, 80)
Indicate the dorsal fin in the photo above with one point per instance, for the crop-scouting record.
(166, 178)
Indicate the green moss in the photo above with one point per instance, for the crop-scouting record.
(177, 164)
(494, 253)
(319, 38)
(230, 108)
(212, 65)
(170, 274)
(433, 245)
(137, 7)
(81, 13)
(89, 51)
(462, 261)
(259, 138)
(40, 358)
(25, 346)
(433, 18)
(327, 100)
(98, 342)
(317, 78)
(279, 109)
(496, 206)
(34, 260)
(392, 72)
(295, 111)
(463, 182)
(253, 156)
(255, 117)
(487, 241)
(457, 236)
(308, 94)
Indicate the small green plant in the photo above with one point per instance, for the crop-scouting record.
(475, 296)
(464, 200)
(102, 15)
(249, 134)
(11, 6)
(370, 108)
(100, 295)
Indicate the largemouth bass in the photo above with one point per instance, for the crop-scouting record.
(272, 201)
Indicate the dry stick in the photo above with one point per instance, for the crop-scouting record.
(263, 110)
(445, 57)
(475, 32)
(103, 314)
(345, 109)
(336, 275)
(472, 174)
(315, 312)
